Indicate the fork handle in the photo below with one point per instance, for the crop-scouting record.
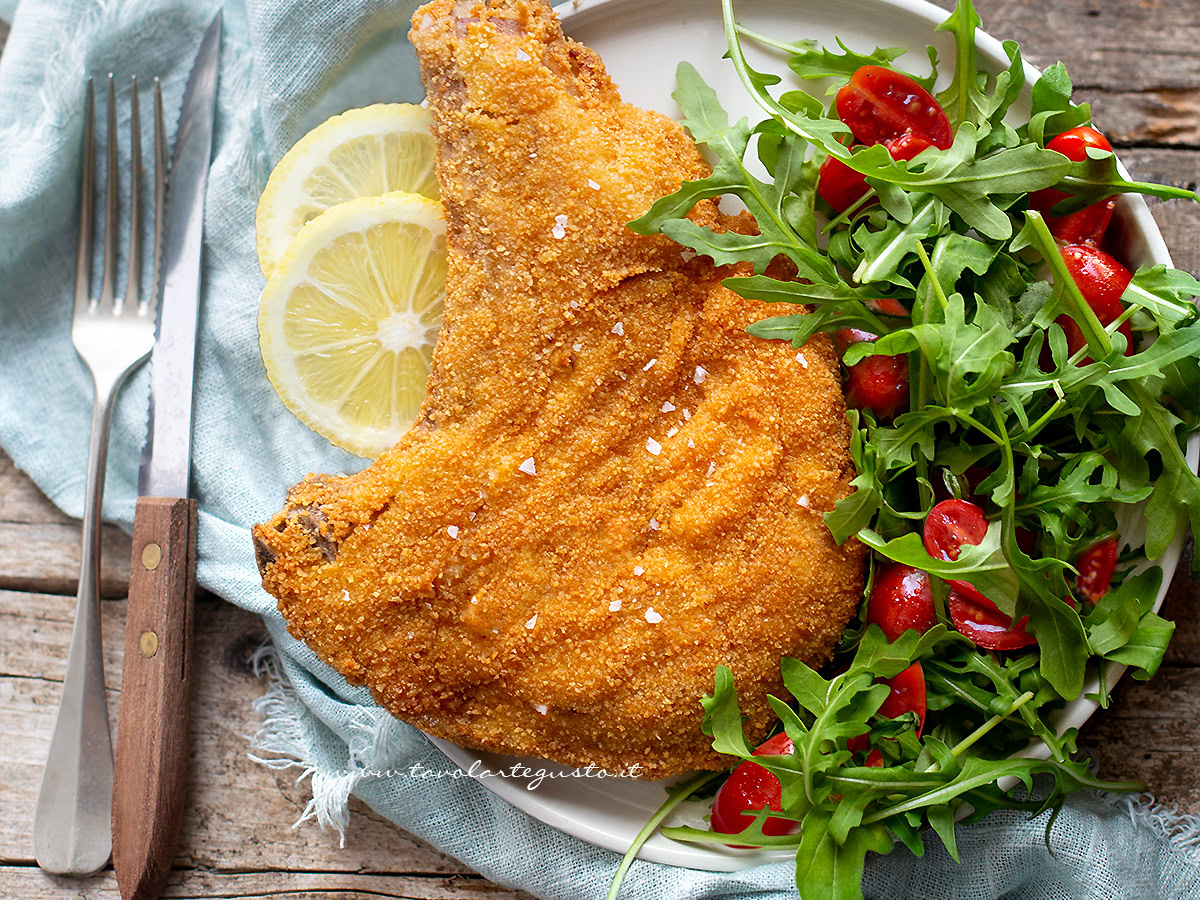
(152, 735)
(70, 827)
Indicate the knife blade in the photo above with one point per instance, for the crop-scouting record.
(150, 766)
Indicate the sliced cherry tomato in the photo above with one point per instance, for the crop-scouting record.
(879, 104)
(750, 788)
(877, 383)
(1096, 565)
(949, 525)
(841, 187)
(1102, 280)
(1086, 225)
(908, 695)
(901, 598)
(875, 759)
(977, 618)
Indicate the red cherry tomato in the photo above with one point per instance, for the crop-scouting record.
(879, 104)
(977, 618)
(949, 525)
(908, 695)
(875, 759)
(1096, 565)
(901, 598)
(1102, 280)
(1087, 224)
(877, 383)
(750, 788)
(841, 187)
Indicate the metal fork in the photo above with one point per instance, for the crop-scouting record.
(72, 831)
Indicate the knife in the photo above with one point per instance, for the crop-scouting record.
(150, 767)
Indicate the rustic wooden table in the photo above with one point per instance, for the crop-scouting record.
(1139, 66)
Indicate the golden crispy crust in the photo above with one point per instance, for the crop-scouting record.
(674, 520)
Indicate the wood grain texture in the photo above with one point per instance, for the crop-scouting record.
(150, 775)
(39, 544)
(1139, 66)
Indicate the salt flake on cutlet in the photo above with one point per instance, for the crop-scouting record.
(452, 530)
(700, 375)
(531, 622)
(638, 570)
(668, 406)
(560, 227)
(687, 414)
(800, 359)
(653, 446)
(593, 184)
(528, 467)
(345, 595)
(652, 617)
(615, 606)
(653, 525)
(673, 431)
(522, 55)
(802, 500)
(542, 708)
(618, 329)
(577, 347)
(650, 365)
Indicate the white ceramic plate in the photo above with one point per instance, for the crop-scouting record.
(641, 43)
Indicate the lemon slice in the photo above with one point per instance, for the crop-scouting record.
(361, 153)
(348, 321)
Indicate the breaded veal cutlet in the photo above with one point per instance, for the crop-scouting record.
(612, 488)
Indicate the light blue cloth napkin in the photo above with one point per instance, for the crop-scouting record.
(286, 65)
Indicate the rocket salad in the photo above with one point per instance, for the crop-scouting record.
(1010, 384)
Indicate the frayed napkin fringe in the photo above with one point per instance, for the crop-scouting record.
(1179, 830)
(282, 734)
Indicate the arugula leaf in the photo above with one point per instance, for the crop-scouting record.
(1096, 178)
(1053, 112)
(1167, 293)
(963, 99)
(827, 870)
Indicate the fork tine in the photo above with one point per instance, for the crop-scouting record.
(83, 252)
(133, 279)
(110, 202)
(160, 189)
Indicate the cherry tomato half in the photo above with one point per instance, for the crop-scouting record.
(877, 383)
(949, 525)
(908, 695)
(1102, 280)
(750, 788)
(901, 598)
(1087, 224)
(1096, 565)
(878, 104)
(977, 618)
(841, 187)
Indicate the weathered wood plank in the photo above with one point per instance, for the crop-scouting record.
(39, 544)
(30, 883)
(1151, 735)
(239, 813)
(1110, 45)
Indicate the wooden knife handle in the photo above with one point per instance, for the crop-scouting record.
(150, 774)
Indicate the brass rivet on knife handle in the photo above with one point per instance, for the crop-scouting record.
(151, 555)
(148, 644)
(150, 773)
